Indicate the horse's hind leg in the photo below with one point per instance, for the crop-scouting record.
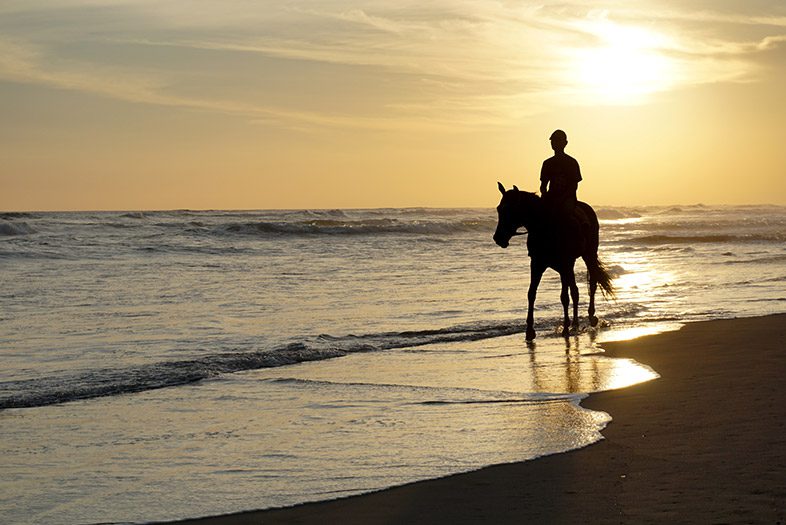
(569, 284)
(593, 286)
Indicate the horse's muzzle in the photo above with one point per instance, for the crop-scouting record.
(502, 243)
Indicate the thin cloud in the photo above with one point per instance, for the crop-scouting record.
(22, 64)
(479, 63)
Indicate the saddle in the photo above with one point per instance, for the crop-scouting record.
(567, 229)
(580, 217)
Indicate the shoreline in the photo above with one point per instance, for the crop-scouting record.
(704, 443)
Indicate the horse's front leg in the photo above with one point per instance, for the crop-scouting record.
(536, 273)
(565, 300)
(574, 295)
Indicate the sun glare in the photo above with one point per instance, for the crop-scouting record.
(624, 67)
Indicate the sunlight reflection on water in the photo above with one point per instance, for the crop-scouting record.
(306, 432)
(633, 332)
(186, 286)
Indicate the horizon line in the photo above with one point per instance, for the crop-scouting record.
(327, 208)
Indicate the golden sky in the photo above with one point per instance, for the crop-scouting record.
(161, 104)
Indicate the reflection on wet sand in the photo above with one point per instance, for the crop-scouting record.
(550, 366)
(343, 426)
(581, 367)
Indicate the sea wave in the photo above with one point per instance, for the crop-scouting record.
(15, 228)
(115, 381)
(699, 239)
(106, 382)
(767, 259)
(358, 227)
(616, 214)
(11, 215)
(324, 213)
(456, 395)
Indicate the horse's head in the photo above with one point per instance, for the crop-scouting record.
(513, 212)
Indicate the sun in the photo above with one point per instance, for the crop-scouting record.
(624, 67)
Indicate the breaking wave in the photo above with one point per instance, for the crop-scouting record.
(700, 239)
(770, 259)
(11, 215)
(359, 227)
(15, 228)
(57, 389)
(107, 382)
(616, 214)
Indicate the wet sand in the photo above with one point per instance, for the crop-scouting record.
(705, 443)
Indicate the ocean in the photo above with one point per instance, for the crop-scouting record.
(173, 364)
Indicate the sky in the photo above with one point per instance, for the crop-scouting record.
(240, 104)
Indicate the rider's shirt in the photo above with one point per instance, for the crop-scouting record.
(563, 175)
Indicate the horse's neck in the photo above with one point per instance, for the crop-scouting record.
(531, 213)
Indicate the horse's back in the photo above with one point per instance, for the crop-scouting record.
(588, 212)
(585, 214)
(588, 216)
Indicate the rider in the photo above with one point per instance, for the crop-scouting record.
(559, 178)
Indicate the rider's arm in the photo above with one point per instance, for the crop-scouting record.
(544, 180)
(576, 177)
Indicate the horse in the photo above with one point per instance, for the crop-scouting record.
(556, 244)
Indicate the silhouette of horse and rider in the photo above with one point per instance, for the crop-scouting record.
(560, 230)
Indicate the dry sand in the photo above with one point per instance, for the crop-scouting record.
(705, 443)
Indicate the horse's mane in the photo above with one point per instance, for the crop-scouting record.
(521, 193)
(522, 197)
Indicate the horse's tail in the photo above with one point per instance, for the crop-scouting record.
(596, 271)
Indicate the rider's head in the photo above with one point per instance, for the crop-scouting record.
(559, 139)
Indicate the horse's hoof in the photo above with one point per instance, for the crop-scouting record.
(530, 334)
(593, 321)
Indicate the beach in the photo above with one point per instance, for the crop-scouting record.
(704, 443)
(284, 262)
(171, 365)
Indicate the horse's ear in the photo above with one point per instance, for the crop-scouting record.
(501, 188)
(515, 188)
